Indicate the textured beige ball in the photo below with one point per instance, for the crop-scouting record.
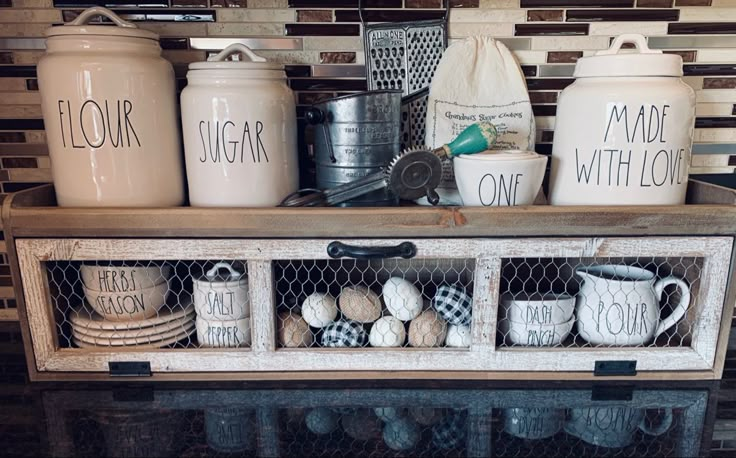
(360, 304)
(426, 416)
(294, 331)
(427, 330)
(361, 426)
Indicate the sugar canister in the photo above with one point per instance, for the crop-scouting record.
(239, 126)
(624, 129)
(109, 109)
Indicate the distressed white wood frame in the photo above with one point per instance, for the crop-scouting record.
(692, 405)
(481, 356)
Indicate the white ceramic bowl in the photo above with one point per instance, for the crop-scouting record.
(535, 335)
(134, 305)
(499, 178)
(121, 279)
(537, 309)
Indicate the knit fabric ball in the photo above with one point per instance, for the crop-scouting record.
(362, 426)
(344, 333)
(425, 415)
(293, 331)
(427, 330)
(360, 304)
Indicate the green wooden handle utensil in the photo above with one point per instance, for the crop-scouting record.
(474, 139)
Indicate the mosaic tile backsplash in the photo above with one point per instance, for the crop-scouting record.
(321, 43)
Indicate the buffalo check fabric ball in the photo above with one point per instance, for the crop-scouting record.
(453, 304)
(450, 433)
(344, 333)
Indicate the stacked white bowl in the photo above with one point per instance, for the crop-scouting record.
(536, 320)
(127, 307)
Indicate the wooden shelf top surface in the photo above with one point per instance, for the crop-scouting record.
(33, 213)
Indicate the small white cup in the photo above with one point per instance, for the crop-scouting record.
(222, 297)
(538, 308)
(223, 334)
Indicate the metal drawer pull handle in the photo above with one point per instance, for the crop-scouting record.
(404, 250)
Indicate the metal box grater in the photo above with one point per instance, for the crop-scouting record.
(404, 55)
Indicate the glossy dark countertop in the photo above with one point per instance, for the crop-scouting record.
(367, 418)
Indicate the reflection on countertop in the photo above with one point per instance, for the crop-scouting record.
(368, 418)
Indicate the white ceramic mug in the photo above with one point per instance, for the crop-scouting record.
(538, 309)
(613, 426)
(218, 297)
(620, 305)
(533, 423)
(223, 334)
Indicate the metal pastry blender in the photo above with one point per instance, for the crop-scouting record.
(414, 173)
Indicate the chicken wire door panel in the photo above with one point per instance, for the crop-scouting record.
(424, 306)
(134, 304)
(374, 303)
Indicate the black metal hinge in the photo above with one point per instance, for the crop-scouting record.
(614, 368)
(129, 368)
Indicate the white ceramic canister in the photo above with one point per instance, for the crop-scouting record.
(624, 130)
(109, 109)
(222, 297)
(240, 134)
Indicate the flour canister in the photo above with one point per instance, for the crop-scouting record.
(624, 130)
(109, 109)
(240, 137)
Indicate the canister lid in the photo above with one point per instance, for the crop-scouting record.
(215, 275)
(80, 26)
(641, 62)
(219, 62)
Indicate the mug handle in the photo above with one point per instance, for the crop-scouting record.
(681, 308)
(212, 273)
(663, 427)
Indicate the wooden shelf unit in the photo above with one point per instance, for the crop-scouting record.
(39, 232)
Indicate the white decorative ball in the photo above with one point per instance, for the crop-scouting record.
(458, 336)
(388, 414)
(319, 309)
(387, 332)
(401, 434)
(403, 300)
(321, 420)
